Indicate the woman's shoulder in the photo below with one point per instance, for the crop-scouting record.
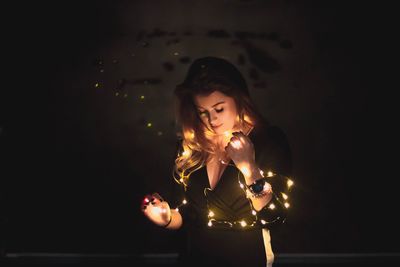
(264, 132)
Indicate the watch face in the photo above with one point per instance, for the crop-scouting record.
(258, 186)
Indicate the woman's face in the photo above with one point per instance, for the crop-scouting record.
(217, 111)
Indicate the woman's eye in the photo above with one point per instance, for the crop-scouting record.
(219, 110)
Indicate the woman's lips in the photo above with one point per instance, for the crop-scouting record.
(215, 127)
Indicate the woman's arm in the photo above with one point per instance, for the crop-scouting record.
(176, 220)
(160, 213)
(252, 174)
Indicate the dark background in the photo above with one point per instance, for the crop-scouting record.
(76, 159)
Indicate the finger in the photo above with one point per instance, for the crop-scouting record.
(236, 143)
(238, 134)
(228, 150)
(147, 199)
(157, 196)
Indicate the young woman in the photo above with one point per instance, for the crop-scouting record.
(232, 171)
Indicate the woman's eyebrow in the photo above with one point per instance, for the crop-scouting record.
(221, 102)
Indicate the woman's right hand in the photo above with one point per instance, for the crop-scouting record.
(156, 209)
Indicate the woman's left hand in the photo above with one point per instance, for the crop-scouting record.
(241, 150)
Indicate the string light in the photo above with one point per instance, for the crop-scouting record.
(242, 223)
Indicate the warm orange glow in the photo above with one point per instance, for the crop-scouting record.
(247, 119)
(236, 144)
(189, 135)
(245, 170)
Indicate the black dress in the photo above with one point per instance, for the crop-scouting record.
(232, 234)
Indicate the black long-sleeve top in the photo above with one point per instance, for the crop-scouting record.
(231, 233)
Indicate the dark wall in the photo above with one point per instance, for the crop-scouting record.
(74, 170)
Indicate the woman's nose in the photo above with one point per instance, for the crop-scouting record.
(213, 117)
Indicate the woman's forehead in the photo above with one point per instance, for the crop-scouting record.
(206, 101)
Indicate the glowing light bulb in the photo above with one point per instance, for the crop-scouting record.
(177, 209)
(289, 183)
(241, 185)
(284, 196)
(271, 206)
(142, 97)
(209, 223)
(211, 214)
(253, 212)
(184, 201)
(287, 205)
(270, 174)
(263, 222)
(149, 124)
(243, 223)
